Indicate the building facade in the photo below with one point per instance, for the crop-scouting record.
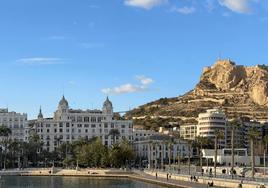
(69, 125)
(16, 122)
(141, 134)
(155, 150)
(211, 121)
(188, 131)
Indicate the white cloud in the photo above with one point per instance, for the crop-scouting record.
(183, 10)
(239, 6)
(145, 4)
(92, 45)
(144, 80)
(130, 88)
(39, 61)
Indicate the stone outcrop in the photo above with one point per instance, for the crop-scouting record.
(239, 90)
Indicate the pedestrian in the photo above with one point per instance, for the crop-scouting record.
(156, 175)
(191, 178)
(167, 176)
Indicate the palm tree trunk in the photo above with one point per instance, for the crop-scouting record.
(162, 157)
(252, 158)
(201, 157)
(179, 158)
(216, 155)
(232, 163)
(149, 156)
(189, 158)
(169, 157)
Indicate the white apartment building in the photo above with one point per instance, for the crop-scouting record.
(69, 125)
(209, 122)
(155, 149)
(141, 134)
(188, 131)
(17, 123)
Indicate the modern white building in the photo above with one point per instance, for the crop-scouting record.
(17, 122)
(155, 150)
(209, 122)
(224, 157)
(69, 125)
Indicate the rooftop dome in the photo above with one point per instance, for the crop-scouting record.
(63, 102)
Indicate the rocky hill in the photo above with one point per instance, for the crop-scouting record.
(238, 90)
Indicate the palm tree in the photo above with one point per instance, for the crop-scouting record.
(150, 153)
(234, 125)
(201, 141)
(265, 140)
(218, 136)
(4, 132)
(114, 133)
(190, 144)
(253, 134)
(178, 139)
(171, 142)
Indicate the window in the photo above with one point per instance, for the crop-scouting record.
(79, 119)
(105, 125)
(93, 119)
(86, 119)
(93, 125)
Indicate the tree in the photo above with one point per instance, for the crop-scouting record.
(33, 147)
(4, 133)
(201, 141)
(190, 144)
(218, 136)
(234, 125)
(265, 140)
(253, 134)
(178, 139)
(114, 133)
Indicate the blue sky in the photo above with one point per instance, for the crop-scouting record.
(135, 51)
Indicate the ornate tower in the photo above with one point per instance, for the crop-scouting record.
(63, 107)
(107, 107)
(40, 115)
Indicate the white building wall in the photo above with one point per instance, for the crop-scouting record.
(17, 122)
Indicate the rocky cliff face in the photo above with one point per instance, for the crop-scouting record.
(239, 90)
(226, 76)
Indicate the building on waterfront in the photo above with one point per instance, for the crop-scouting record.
(209, 122)
(141, 134)
(224, 157)
(188, 131)
(69, 125)
(238, 135)
(16, 122)
(154, 150)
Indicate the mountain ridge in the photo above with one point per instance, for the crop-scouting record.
(240, 91)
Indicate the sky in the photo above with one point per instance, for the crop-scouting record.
(134, 51)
